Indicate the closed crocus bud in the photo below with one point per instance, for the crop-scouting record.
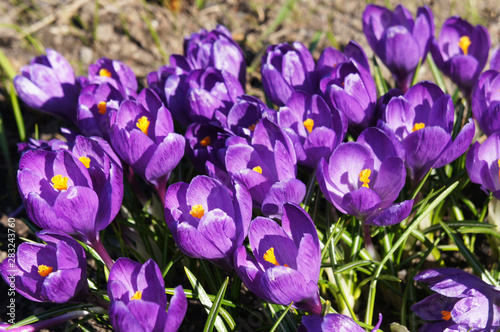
(267, 167)
(48, 84)
(422, 120)
(142, 134)
(314, 128)
(285, 260)
(211, 93)
(461, 302)
(350, 89)
(364, 178)
(138, 299)
(95, 103)
(332, 323)
(461, 52)
(206, 220)
(115, 72)
(399, 40)
(483, 164)
(215, 48)
(486, 102)
(77, 191)
(51, 272)
(285, 68)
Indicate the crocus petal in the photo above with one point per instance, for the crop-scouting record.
(286, 191)
(392, 215)
(176, 310)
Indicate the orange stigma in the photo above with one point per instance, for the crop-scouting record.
(418, 126)
(102, 107)
(143, 124)
(60, 182)
(364, 176)
(464, 44)
(206, 141)
(197, 211)
(85, 161)
(44, 270)
(271, 258)
(136, 296)
(309, 124)
(446, 315)
(104, 72)
(258, 169)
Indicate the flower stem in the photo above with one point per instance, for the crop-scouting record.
(99, 248)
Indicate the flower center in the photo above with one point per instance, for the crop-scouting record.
(60, 182)
(498, 169)
(197, 211)
(44, 270)
(136, 296)
(85, 161)
(309, 124)
(206, 141)
(252, 127)
(104, 72)
(258, 169)
(464, 44)
(102, 107)
(418, 126)
(271, 258)
(446, 315)
(143, 124)
(364, 176)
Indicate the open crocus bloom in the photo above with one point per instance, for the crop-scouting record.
(422, 120)
(364, 178)
(206, 220)
(462, 302)
(51, 272)
(286, 260)
(138, 299)
(486, 102)
(483, 164)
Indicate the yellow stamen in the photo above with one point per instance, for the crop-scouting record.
(464, 44)
(252, 127)
(104, 72)
(364, 176)
(60, 182)
(271, 258)
(446, 315)
(44, 270)
(206, 141)
(498, 169)
(143, 124)
(258, 169)
(102, 107)
(418, 126)
(85, 161)
(197, 211)
(309, 124)
(136, 296)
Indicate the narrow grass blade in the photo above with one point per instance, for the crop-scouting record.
(17, 112)
(204, 299)
(415, 73)
(436, 73)
(214, 312)
(277, 323)
(382, 87)
(7, 66)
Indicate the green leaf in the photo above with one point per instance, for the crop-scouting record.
(204, 299)
(214, 312)
(277, 323)
(353, 265)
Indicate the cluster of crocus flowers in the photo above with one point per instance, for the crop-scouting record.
(399, 40)
(207, 221)
(285, 261)
(52, 272)
(332, 323)
(138, 299)
(364, 179)
(461, 302)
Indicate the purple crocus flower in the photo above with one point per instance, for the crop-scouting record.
(314, 128)
(486, 102)
(115, 72)
(332, 323)
(461, 52)
(205, 142)
(350, 88)
(399, 40)
(138, 299)
(211, 93)
(206, 220)
(48, 84)
(77, 189)
(462, 302)
(215, 48)
(364, 178)
(483, 165)
(95, 103)
(286, 68)
(51, 272)
(267, 167)
(422, 120)
(330, 58)
(286, 260)
(142, 133)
